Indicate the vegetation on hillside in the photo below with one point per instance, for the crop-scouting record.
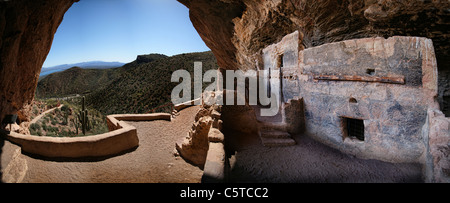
(136, 87)
(38, 106)
(74, 81)
(144, 86)
(62, 122)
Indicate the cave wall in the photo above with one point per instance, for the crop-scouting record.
(238, 30)
(27, 28)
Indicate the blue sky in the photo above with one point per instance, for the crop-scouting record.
(119, 30)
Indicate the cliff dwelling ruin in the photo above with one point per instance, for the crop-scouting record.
(368, 97)
(368, 78)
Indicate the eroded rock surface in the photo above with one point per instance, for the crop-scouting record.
(251, 25)
(238, 30)
(27, 28)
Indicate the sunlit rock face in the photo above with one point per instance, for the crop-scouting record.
(27, 28)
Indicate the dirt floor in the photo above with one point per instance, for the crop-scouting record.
(308, 161)
(152, 162)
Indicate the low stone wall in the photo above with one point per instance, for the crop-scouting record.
(106, 144)
(122, 137)
(114, 121)
(204, 145)
(215, 164)
(184, 105)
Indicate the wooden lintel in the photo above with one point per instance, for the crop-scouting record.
(357, 78)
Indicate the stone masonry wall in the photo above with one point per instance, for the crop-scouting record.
(387, 83)
(283, 57)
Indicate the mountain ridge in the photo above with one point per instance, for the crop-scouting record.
(85, 65)
(136, 87)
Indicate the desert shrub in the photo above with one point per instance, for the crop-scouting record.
(51, 103)
(64, 133)
(52, 129)
(35, 110)
(44, 127)
(32, 131)
(65, 108)
(35, 127)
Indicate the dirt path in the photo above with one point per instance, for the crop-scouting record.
(152, 162)
(36, 119)
(309, 161)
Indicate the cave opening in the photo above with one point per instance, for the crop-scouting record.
(96, 46)
(121, 35)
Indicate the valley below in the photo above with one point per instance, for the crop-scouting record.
(137, 87)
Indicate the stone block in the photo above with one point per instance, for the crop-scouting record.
(214, 170)
(215, 135)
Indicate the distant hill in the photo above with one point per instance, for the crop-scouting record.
(85, 65)
(74, 80)
(136, 87)
(146, 85)
(149, 58)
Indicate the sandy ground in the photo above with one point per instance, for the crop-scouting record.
(308, 161)
(152, 162)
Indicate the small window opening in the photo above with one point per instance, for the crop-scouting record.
(352, 100)
(370, 71)
(280, 61)
(354, 128)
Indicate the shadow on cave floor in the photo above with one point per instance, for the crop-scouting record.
(307, 162)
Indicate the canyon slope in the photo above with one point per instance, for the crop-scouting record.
(136, 87)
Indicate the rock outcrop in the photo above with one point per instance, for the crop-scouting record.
(27, 28)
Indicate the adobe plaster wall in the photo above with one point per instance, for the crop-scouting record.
(394, 83)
